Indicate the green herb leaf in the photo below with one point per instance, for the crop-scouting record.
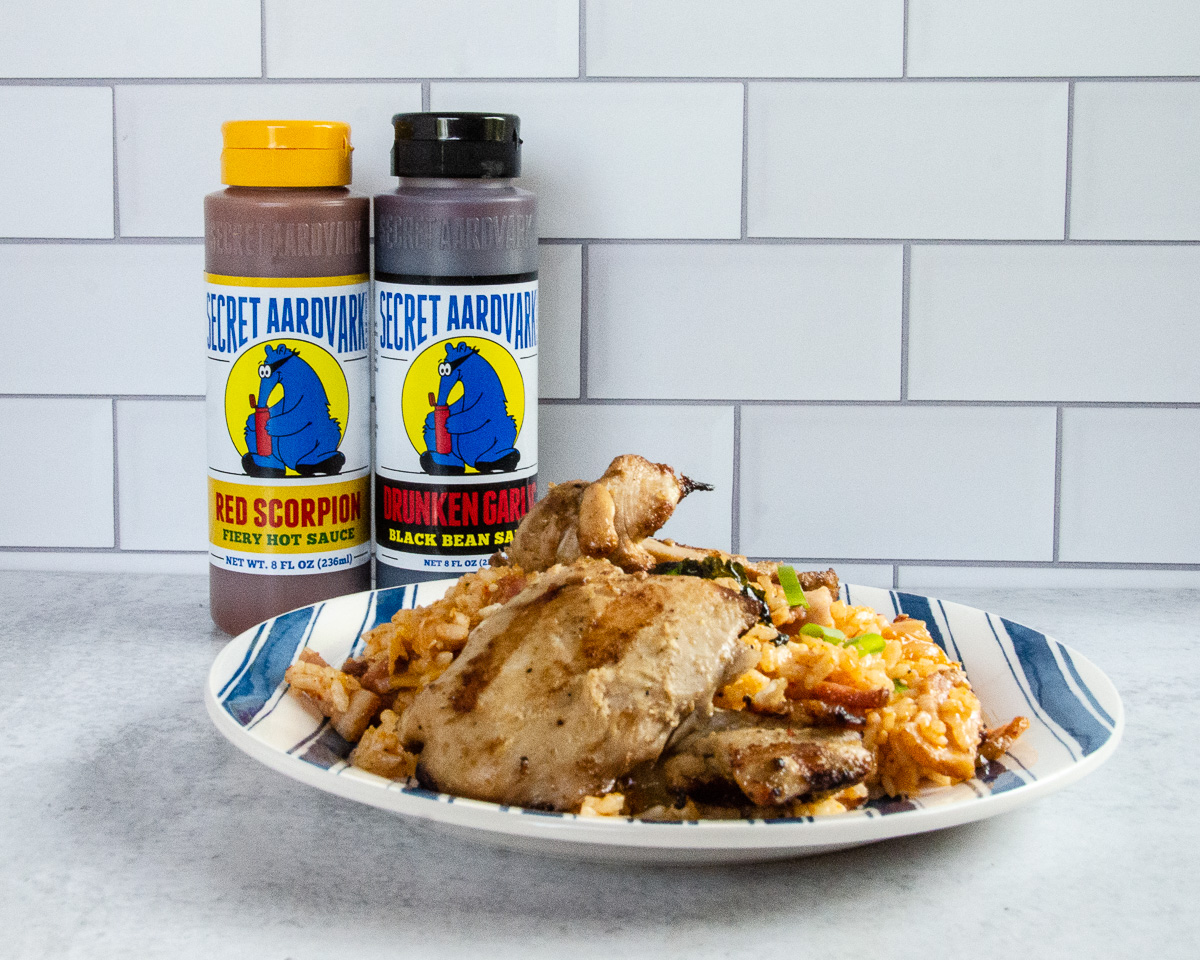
(901, 686)
(832, 634)
(868, 643)
(714, 568)
(791, 586)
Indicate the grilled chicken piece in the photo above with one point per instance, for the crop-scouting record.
(547, 534)
(578, 678)
(770, 761)
(605, 519)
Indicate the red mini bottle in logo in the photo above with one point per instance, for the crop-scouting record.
(440, 413)
(261, 437)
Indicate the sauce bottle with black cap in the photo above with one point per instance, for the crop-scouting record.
(456, 335)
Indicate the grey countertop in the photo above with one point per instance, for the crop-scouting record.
(130, 828)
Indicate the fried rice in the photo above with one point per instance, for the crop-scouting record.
(914, 706)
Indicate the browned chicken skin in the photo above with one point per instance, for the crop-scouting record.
(608, 518)
(578, 679)
(768, 759)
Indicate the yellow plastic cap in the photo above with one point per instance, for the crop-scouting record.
(285, 153)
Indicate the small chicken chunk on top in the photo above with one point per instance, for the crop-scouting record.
(607, 519)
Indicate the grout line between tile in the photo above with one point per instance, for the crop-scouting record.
(583, 322)
(262, 37)
(896, 566)
(115, 170)
(425, 94)
(904, 49)
(116, 482)
(735, 488)
(1070, 158)
(793, 402)
(874, 241)
(98, 241)
(582, 39)
(109, 551)
(98, 396)
(1058, 447)
(997, 564)
(905, 287)
(890, 561)
(694, 241)
(704, 401)
(745, 159)
(334, 81)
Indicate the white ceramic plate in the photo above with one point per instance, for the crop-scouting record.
(1075, 714)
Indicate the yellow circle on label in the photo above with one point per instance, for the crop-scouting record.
(244, 383)
(423, 379)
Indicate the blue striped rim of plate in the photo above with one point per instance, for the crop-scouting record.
(1076, 718)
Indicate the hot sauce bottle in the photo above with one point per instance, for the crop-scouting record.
(287, 310)
(456, 344)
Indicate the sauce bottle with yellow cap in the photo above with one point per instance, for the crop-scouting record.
(288, 333)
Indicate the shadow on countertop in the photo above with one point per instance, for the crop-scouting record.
(172, 796)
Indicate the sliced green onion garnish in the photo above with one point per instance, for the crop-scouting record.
(868, 643)
(832, 634)
(791, 586)
(900, 685)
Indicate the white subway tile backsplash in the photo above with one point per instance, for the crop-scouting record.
(864, 129)
(409, 38)
(1053, 38)
(746, 38)
(1134, 170)
(116, 38)
(161, 474)
(560, 279)
(907, 160)
(762, 322)
(1129, 486)
(58, 479)
(56, 161)
(167, 166)
(1107, 323)
(645, 160)
(898, 482)
(578, 442)
(131, 316)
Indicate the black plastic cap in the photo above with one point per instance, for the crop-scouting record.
(456, 145)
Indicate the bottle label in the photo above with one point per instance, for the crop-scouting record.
(289, 456)
(456, 417)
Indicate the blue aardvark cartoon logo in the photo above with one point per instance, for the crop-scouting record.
(475, 430)
(297, 432)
